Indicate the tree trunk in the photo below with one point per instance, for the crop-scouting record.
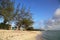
(18, 28)
(5, 21)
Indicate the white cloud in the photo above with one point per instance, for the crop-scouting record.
(54, 24)
(53, 20)
(57, 12)
(41, 23)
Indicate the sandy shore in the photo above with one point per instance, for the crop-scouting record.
(19, 35)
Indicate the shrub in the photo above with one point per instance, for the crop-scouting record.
(4, 26)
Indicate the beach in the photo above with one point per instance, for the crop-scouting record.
(19, 35)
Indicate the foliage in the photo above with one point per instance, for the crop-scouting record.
(30, 29)
(19, 15)
(4, 26)
(23, 17)
(26, 23)
(6, 9)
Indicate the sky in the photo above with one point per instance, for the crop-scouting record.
(54, 22)
(41, 9)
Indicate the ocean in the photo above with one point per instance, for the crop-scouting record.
(51, 35)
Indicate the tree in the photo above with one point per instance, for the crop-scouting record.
(23, 17)
(17, 16)
(4, 26)
(27, 23)
(6, 9)
(30, 29)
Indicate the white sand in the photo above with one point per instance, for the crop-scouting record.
(18, 35)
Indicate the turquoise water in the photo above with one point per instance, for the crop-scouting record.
(51, 35)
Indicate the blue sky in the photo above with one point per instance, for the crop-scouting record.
(41, 9)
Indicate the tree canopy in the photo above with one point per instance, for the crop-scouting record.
(6, 9)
